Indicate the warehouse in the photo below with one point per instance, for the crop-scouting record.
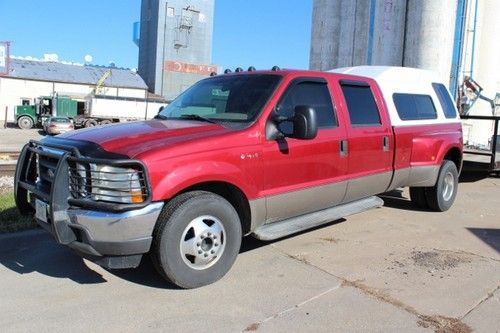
(29, 79)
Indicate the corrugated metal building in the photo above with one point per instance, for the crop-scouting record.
(175, 44)
(28, 79)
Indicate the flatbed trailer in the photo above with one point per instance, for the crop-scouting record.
(480, 159)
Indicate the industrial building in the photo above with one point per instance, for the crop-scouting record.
(29, 79)
(175, 44)
(455, 38)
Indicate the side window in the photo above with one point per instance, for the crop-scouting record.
(361, 104)
(313, 94)
(445, 100)
(414, 107)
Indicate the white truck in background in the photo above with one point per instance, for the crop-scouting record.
(101, 110)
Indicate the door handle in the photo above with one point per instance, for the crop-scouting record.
(344, 147)
(386, 143)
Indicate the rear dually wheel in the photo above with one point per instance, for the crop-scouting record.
(441, 196)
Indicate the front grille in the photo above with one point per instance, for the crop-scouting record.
(80, 185)
(46, 169)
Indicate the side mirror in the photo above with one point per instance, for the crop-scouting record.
(305, 125)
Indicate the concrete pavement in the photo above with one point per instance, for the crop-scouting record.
(13, 139)
(392, 269)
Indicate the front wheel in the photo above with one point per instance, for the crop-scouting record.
(25, 122)
(441, 196)
(197, 238)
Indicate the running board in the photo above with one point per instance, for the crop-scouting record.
(293, 225)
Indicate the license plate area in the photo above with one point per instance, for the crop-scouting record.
(41, 210)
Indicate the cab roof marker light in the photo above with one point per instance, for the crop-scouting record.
(227, 71)
(238, 70)
(213, 74)
(251, 69)
(275, 68)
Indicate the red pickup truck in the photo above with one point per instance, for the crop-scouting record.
(262, 153)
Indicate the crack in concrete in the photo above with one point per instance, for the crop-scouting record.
(484, 299)
(440, 324)
(255, 326)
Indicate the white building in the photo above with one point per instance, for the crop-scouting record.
(28, 79)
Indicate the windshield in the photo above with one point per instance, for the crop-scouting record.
(232, 99)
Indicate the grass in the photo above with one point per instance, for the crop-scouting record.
(10, 218)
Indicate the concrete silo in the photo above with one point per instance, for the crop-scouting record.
(455, 38)
(413, 33)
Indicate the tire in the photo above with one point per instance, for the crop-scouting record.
(418, 197)
(196, 239)
(25, 122)
(91, 123)
(441, 196)
(105, 122)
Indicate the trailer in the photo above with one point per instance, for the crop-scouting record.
(483, 157)
(101, 110)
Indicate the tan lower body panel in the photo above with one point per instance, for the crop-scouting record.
(291, 204)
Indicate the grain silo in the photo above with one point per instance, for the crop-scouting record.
(456, 38)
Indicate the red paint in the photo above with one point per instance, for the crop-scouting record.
(179, 154)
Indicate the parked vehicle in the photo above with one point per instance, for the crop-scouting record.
(261, 153)
(91, 111)
(36, 114)
(58, 125)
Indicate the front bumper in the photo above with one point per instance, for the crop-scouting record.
(112, 235)
(113, 240)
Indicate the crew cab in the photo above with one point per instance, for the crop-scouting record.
(261, 153)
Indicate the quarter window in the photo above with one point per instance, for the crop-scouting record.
(414, 107)
(361, 104)
(445, 100)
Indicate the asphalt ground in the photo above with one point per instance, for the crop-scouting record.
(13, 139)
(393, 269)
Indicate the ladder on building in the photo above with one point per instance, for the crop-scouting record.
(99, 86)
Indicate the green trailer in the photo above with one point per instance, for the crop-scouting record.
(44, 107)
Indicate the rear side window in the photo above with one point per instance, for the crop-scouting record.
(445, 100)
(361, 104)
(414, 107)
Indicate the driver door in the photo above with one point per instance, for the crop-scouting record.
(302, 176)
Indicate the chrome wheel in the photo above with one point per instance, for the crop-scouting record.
(448, 186)
(202, 242)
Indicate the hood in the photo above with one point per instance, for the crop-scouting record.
(134, 138)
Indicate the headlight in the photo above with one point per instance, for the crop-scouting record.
(115, 184)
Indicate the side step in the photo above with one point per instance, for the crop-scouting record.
(293, 225)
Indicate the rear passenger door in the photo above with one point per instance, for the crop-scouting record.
(369, 144)
(303, 176)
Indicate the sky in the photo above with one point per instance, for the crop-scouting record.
(261, 33)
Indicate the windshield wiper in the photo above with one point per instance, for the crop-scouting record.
(197, 117)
